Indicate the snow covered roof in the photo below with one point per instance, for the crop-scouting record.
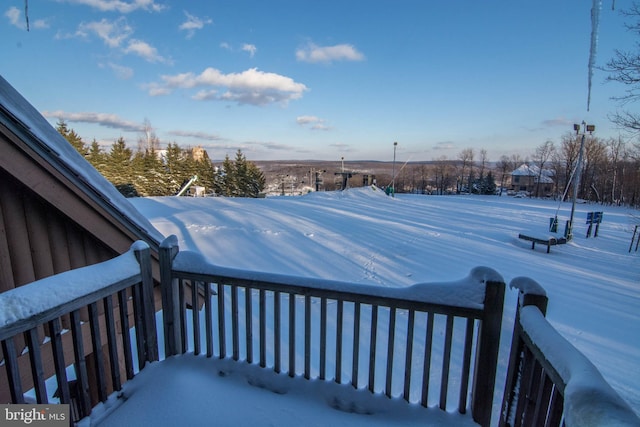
(21, 118)
(533, 171)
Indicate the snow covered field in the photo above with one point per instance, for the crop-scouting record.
(364, 236)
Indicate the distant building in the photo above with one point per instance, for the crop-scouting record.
(525, 178)
(198, 153)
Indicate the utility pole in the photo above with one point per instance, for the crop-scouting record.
(393, 175)
(576, 182)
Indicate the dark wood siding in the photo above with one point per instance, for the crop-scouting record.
(37, 240)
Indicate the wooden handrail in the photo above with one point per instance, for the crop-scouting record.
(549, 382)
(384, 320)
(24, 310)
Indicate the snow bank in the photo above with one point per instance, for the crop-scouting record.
(37, 297)
(588, 399)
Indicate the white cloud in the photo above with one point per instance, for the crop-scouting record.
(315, 123)
(249, 48)
(103, 119)
(327, 54)
(40, 24)
(121, 71)
(117, 35)
(197, 135)
(112, 33)
(252, 86)
(145, 51)
(444, 145)
(305, 120)
(14, 16)
(225, 45)
(193, 23)
(120, 5)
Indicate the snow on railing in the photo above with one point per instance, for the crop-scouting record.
(403, 342)
(549, 382)
(75, 313)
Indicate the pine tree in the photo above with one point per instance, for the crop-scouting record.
(71, 136)
(239, 178)
(119, 171)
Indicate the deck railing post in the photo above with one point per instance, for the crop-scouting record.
(486, 363)
(170, 298)
(143, 255)
(530, 293)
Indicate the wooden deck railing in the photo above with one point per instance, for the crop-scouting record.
(402, 342)
(259, 318)
(77, 311)
(549, 382)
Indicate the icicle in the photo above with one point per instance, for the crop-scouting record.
(26, 12)
(595, 21)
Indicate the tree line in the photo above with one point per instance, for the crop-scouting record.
(609, 172)
(150, 171)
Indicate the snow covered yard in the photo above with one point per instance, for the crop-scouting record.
(363, 236)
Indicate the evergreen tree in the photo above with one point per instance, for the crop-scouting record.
(118, 171)
(150, 173)
(71, 136)
(240, 178)
(225, 178)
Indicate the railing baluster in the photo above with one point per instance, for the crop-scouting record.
(124, 326)
(307, 336)
(426, 368)
(235, 338)
(55, 332)
(390, 350)
(339, 314)
(97, 350)
(81, 365)
(112, 344)
(221, 323)
(446, 362)
(526, 376)
(195, 316)
(542, 402)
(208, 318)
(276, 332)
(408, 364)
(183, 315)
(533, 395)
(372, 348)
(292, 335)
(556, 403)
(37, 371)
(13, 373)
(263, 328)
(248, 316)
(466, 366)
(323, 338)
(138, 319)
(356, 345)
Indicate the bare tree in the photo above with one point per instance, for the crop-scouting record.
(505, 167)
(466, 157)
(148, 140)
(542, 155)
(624, 68)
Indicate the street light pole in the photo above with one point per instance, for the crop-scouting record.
(393, 175)
(576, 182)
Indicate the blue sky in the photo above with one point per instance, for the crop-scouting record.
(317, 79)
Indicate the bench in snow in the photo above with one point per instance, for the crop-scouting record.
(544, 240)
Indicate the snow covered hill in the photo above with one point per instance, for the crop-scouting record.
(363, 236)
